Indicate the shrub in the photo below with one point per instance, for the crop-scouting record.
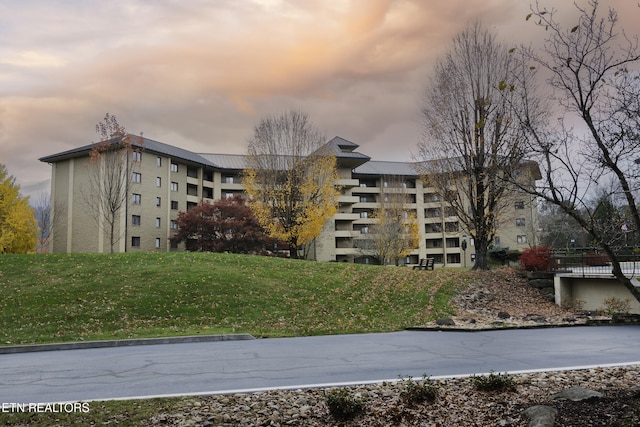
(344, 405)
(494, 382)
(596, 259)
(615, 305)
(536, 258)
(419, 391)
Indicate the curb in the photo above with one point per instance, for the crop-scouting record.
(503, 327)
(122, 343)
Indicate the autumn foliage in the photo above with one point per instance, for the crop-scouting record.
(18, 226)
(536, 258)
(227, 225)
(290, 179)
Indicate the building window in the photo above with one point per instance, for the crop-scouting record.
(496, 241)
(158, 161)
(157, 243)
(135, 219)
(432, 213)
(519, 204)
(174, 167)
(174, 186)
(158, 222)
(136, 198)
(174, 245)
(451, 227)
(364, 230)
(135, 241)
(364, 214)
(520, 222)
(158, 182)
(228, 179)
(158, 201)
(174, 205)
(173, 225)
(522, 239)
(228, 195)
(192, 172)
(136, 156)
(136, 177)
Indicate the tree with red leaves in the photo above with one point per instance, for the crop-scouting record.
(228, 225)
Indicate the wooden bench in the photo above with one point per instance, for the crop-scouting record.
(425, 264)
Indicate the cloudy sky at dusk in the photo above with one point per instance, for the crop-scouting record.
(201, 73)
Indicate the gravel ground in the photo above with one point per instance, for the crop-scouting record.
(458, 403)
(500, 298)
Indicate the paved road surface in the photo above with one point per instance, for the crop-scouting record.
(206, 368)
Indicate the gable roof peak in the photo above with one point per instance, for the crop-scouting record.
(344, 144)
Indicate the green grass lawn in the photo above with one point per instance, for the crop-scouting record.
(72, 297)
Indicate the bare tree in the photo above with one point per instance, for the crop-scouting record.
(290, 179)
(559, 230)
(48, 217)
(471, 139)
(394, 234)
(594, 83)
(110, 168)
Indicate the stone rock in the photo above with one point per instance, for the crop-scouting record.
(541, 416)
(503, 315)
(541, 283)
(445, 321)
(533, 275)
(535, 318)
(577, 394)
(626, 318)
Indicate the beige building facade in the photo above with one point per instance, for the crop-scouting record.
(166, 180)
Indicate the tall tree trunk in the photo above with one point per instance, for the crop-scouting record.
(482, 254)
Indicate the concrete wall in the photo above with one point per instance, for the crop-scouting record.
(591, 292)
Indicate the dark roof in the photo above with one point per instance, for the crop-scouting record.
(344, 152)
(137, 141)
(227, 161)
(387, 168)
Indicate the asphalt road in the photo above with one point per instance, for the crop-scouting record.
(230, 366)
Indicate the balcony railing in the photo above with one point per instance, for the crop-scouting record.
(592, 263)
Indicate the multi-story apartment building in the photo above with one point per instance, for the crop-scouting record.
(167, 179)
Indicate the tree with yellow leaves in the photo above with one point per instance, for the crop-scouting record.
(290, 179)
(18, 226)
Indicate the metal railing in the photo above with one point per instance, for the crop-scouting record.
(592, 263)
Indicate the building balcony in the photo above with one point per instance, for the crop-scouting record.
(348, 182)
(434, 251)
(347, 251)
(343, 216)
(231, 186)
(346, 199)
(366, 205)
(364, 221)
(345, 234)
(366, 190)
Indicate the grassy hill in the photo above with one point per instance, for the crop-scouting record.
(71, 297)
